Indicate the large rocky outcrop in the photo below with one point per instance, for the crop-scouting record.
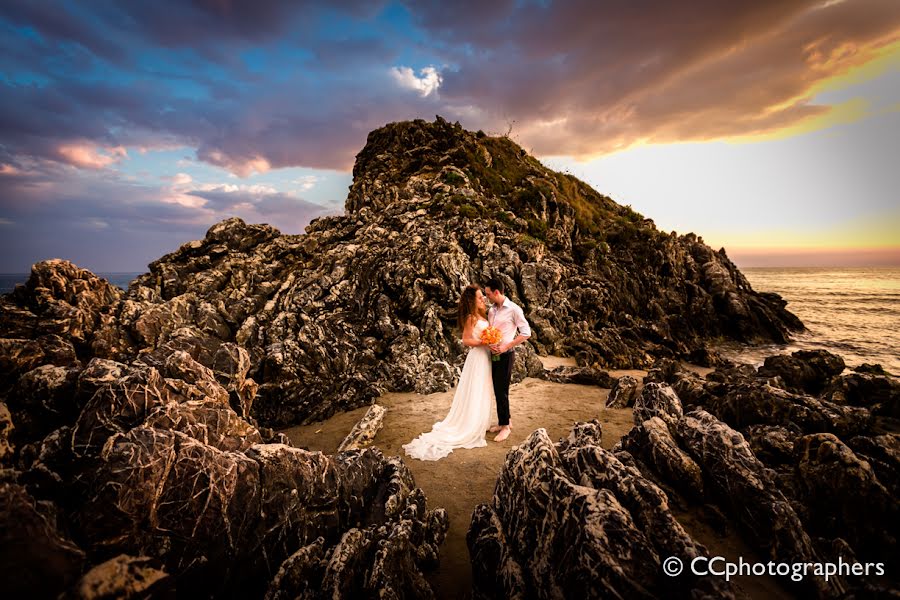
(363, 303)
(137, 424)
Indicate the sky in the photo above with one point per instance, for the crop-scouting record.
(768, 127)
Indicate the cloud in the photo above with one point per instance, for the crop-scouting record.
(102, 221)
(86, 156)
(242, 167)
(308, 182)
(652, 73)
(426, 84)
(255, 88)
(258, 203)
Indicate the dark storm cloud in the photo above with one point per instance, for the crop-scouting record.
(577, 77)
(589, 77)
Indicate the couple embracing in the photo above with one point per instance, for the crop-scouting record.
(484, 379)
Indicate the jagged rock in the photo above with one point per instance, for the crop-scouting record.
(704, 357)
(49, 466)
(871, 369)
(742, 484)
(163, 494)
(527, 363)
(307, 495)
(623, 392)
(207, 421)
(300, 574)
(543, 510)
(652, 442)
(882, 452)
(664, 370)
(573, 521)
(439, 376)
(495, 568)
(657, 400)
(879, 393)
(36, 560)
(124, 578)
(772, 444)
(843, 495)
(580, 375)
(44, 399)
(231, 364)
(743, 403)
(365, 429)
(6, 432)
(95, 375)
(181, 367)
(591, 465)
(805, 370)
(67, 300)
(18, 356)
(200, 345)
(116, 407)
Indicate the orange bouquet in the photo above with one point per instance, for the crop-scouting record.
(491, 335)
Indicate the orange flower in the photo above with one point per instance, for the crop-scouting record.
(491, 335)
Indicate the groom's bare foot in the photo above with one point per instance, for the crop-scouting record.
(496, 428)
(504, 433)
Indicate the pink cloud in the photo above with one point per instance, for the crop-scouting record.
(85, 156)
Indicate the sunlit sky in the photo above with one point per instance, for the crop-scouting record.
(769, 128)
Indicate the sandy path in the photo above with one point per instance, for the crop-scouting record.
(466, 478)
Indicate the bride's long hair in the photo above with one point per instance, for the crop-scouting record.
(468, 306)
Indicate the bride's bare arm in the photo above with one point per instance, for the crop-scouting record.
(468, 337)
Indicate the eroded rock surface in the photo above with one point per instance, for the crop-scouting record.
(363, 303)
(571, 520)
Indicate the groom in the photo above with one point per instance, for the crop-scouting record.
(507, 316)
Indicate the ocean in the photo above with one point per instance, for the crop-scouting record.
(854, 312)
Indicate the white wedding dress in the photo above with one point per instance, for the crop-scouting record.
(470, 413)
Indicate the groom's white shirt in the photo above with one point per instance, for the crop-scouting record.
(509, 318)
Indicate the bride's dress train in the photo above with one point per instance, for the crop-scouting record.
(470, 413)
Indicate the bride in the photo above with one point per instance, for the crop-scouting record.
(470, 413)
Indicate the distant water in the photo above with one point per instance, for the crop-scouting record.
(853, 312)
(8, 281)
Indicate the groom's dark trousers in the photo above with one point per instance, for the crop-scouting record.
(501, 372)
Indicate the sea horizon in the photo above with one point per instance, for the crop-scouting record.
(8, 280)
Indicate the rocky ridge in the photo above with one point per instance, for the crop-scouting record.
(134, 426)
(363, 303)
(801, 478)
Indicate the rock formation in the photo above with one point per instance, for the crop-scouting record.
(363, 303)
(151, 477)
(135, 431)
(806, 473)
(571, 520)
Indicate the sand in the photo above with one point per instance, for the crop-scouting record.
(466, 478)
